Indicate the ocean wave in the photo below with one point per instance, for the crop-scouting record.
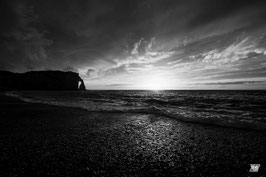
(154, 107)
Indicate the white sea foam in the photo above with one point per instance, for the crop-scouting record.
(213, 108)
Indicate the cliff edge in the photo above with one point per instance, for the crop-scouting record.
(41, 80)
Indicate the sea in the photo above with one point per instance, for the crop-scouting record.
(235, 109)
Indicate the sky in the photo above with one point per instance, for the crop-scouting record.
(139, 44)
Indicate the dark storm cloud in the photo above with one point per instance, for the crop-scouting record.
(98, 33)
(22, 44)
(212, 10)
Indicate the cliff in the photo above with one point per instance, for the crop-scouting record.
(41, 80)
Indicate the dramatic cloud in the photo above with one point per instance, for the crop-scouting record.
(117, 43)
(90, 72)
(22, 43)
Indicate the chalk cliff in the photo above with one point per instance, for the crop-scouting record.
(41, 80)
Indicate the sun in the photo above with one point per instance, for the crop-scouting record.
(155, 82)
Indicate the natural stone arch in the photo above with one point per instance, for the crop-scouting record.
(81, 85)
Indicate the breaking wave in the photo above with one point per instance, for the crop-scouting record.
(235, 109)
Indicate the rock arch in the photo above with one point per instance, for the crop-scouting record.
(81, 85)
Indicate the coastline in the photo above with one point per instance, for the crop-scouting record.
(229, 122)
(39, 139)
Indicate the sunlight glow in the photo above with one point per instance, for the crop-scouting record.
(155, 82)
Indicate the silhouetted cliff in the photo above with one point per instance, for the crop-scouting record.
(41, 80)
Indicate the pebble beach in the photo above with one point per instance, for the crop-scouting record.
(43, 140)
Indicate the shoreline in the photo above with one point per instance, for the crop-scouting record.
(39, 139)
(247, 126)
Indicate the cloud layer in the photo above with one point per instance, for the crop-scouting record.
(113, 44)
